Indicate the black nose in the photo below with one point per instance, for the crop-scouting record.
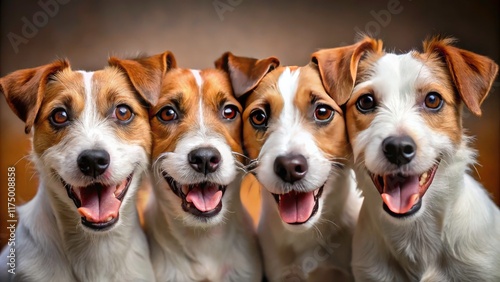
(205, 160)
(290, 168)
(399, 150)
(93, 162)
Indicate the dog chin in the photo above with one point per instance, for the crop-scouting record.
(99, 203)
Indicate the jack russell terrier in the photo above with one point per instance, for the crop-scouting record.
(424, 218)
(295, 136)
(196, 225)
(91, 147)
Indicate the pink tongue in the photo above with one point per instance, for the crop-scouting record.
(400, 193)
(206, 198)
(98, 202)
(296, 207)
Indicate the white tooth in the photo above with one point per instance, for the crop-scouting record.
(109, 218)
(423, 178)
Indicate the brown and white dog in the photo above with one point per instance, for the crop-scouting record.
(196, 225)
(91, 147)
(295, 135)
(423, 217)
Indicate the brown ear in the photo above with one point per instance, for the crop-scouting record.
(472, 74)
(146, 73)
(245, 73)
(24, 90)
(338, 67)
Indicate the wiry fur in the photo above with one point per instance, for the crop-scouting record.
(455, 236)
(51, 242)
(185, 247)
(319, 248)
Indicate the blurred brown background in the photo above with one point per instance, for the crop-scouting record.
(33, 33)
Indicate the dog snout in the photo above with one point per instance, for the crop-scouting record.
(291, 168)
(93, 162)
(205, 160)
(399, 150)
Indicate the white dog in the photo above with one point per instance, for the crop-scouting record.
(91, 147)
(423, 217)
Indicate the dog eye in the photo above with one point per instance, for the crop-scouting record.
(433, 101)
(258, 118)
(59, 117)
(323, 113)
(365, 103)
(230, 112)
(167, 114)
(123, 113)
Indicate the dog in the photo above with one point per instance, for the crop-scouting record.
(197, 227)
(91, 148)
(295, 135)
(423, 217)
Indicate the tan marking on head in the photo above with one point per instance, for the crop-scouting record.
(331, 138)
(110, 88)
(181, 91)
(448, 119)
(266, 97)
(66, 90)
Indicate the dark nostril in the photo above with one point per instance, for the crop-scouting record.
(399, 150)
(291, 168)
(93, 162)
(205, 159)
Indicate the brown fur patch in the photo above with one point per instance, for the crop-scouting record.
(180, 90)
(331, 138)
(110, 88)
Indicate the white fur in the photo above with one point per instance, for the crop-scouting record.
(183, 248)
(51, 242)
(455, 236)
(321, 247)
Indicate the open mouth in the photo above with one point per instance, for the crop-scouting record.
(99, 204)
(298, 207)
(402, 194)
(200, 199)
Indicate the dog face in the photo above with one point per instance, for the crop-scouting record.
(404, 118)
(196, 126)
(91, 137)
(197, 146)
(296, 135)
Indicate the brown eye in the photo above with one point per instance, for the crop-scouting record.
(323, 113)
(230, 112)
(167, 114)
(433, 101)
(59, 117)
(123, 113)
(258, 119)
(366, 103)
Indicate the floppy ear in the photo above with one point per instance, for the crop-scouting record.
(24, 90)
(245, 73)
(338, 67)
(146, 73)
(472, 74)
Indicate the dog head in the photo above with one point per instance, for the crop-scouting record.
(197, 146)
(295, 134)
(404, 120)
(91, 139)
